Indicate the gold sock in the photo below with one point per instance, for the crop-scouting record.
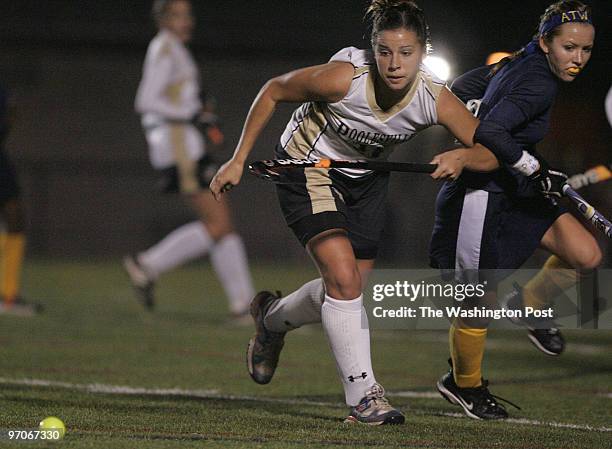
(467, 350)
(13, 246)
(555, 277)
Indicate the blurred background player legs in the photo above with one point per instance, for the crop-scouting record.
(214, 236)
(12, 237)
(12, 243)
(169, 102)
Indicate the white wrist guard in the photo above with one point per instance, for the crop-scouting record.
(527, 164)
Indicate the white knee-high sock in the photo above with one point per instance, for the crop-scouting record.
(350, 343)
(303, 306)
(229, 260)
(181, 245)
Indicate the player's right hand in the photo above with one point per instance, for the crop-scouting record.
(227, 176)
(548, 182)
(450, 164)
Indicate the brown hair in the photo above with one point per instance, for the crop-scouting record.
(160, 8)
(392, 14)
(556, 8)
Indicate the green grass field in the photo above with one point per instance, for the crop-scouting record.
(188, 384)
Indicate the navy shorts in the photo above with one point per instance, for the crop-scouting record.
(192, 178)
(316, 200)
(480, 230)
(9, 186)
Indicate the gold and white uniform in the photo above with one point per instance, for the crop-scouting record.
(356, 127)
(168, 98)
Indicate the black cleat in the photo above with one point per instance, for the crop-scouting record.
(20, 307)
(141, 282)
(477, 403)
(265, 346)
(542, 332)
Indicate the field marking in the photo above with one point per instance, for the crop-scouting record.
(414, 394)
(214, 394)
(110, 389)
(178, 392)
(505, 343)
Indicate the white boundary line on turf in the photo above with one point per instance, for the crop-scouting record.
(110, 389)
(214, 394)
(415, 394)
(178, 392)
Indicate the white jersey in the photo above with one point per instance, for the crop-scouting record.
(168, 98)
(356, 127)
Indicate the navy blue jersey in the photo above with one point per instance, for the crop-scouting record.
(514, 112)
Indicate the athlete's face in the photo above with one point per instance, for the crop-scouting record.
(179, 20)
(398, 55)
(570, 50)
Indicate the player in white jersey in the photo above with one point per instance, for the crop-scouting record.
(359, 105)
(168, 99)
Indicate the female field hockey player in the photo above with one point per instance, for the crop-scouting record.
(359, 105)
(497, 220)
(168, 99)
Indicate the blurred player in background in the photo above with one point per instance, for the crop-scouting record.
(490, 221)
(12, 236)
(168, 99)
(608, 106)
(362, 103)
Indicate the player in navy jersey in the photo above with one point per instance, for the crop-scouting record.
(359, 105)
(490, 221)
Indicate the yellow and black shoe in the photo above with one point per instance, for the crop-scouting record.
(477, 403)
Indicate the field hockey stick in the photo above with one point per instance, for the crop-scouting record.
(588, 211)
(271, 169)
(592, 176)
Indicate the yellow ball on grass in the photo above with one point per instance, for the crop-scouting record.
(51, 424)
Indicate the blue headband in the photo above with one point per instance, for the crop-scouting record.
(554, 21)
(564, 17)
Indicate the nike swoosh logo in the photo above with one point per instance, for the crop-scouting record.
(467, 405)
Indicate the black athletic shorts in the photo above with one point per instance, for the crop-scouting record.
(321, 199)
(193, 177)
(480, 230)
(9, 187)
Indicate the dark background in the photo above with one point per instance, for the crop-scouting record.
(73, 68)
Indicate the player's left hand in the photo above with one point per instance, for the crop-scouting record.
(450, 164)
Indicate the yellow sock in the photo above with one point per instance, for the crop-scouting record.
(467, 350)
(2, 256)
(555, 277)
(13, 245)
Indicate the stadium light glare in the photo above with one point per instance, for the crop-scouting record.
(439, 66)
(497, 56)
